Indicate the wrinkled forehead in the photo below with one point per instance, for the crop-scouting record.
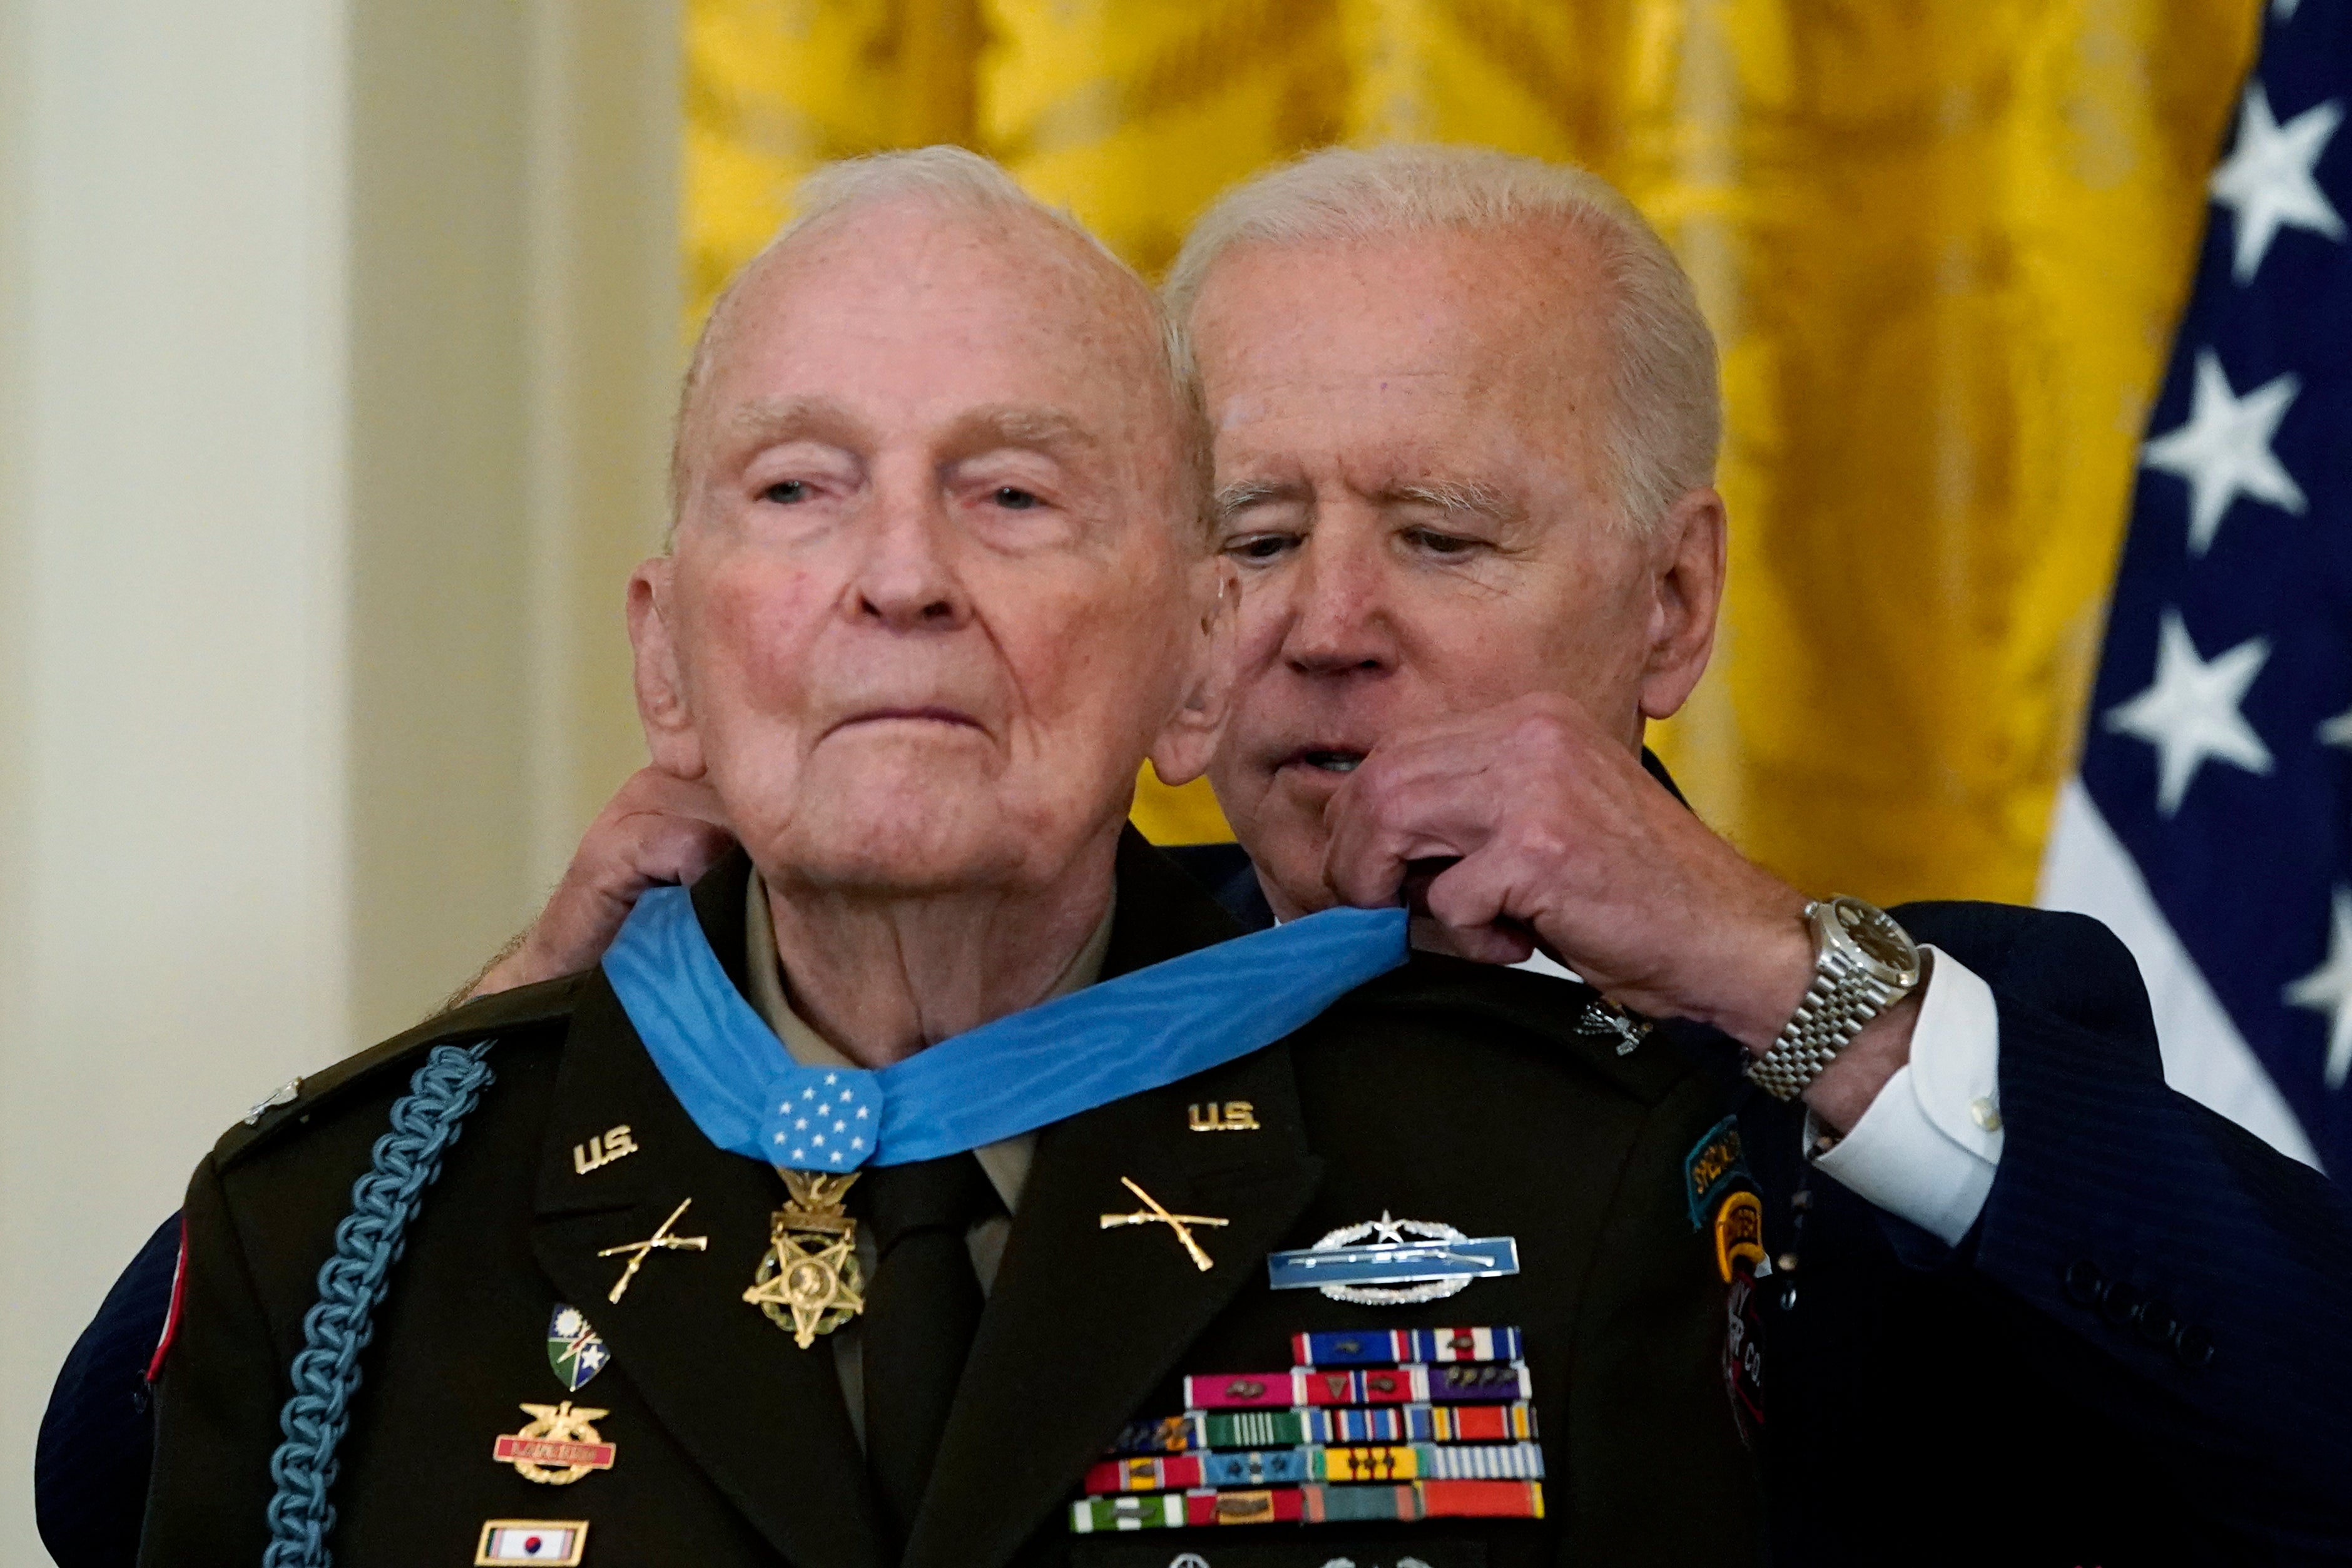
(1473, 357)
(1524, 305)
(917, 317)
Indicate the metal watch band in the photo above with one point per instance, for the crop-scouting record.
(1843, 997)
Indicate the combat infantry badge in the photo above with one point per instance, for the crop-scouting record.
(1389, 1262)
(809, 1282)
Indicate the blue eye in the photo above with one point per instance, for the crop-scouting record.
(1014, 500)
(786, 492)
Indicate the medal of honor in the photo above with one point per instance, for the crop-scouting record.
(809, 1282)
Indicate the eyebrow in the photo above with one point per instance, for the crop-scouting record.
(764, 421)
(767, 419)
(1459, 498)
(1036, 426)
(1236, 498)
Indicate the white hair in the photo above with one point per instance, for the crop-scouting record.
(1664, 419)
(960, 182)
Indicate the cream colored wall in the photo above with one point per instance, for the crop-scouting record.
(335, 345)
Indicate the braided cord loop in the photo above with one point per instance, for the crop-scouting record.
(351, 1283)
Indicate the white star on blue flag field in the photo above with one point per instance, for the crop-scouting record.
(2219, 743)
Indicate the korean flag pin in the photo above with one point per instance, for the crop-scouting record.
(560, 1541)
(574, 1352)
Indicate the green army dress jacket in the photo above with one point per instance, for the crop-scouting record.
(1444, 1092)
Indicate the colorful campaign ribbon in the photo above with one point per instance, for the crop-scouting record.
(1012, 1076)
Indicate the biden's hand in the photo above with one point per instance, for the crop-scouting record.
(1544, 830)
(658, 828)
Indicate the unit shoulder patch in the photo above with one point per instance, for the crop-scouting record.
(1715, 1163)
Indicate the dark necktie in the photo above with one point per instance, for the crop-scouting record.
(921, 1311)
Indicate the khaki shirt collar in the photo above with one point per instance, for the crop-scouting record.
(1006, 1162)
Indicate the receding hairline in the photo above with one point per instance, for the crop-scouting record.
(1115, 295)
(1663, 425)
(959, 188)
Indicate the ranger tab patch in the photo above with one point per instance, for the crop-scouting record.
(1738, 1232)
(1714, 1164)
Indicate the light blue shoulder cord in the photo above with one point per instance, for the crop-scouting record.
(326, 1374)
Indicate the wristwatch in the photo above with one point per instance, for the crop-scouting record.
(1863, 964)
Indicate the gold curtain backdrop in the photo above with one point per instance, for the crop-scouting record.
(1942, 242)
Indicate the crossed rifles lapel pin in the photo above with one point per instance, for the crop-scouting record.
(660, 1241)
(1154, 1213)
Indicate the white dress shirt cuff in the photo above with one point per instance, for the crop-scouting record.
(1928, 1147)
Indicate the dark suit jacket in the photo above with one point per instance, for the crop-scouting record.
(1439, 1093)
(2142, 1353)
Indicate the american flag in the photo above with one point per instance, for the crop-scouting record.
(2210, 824)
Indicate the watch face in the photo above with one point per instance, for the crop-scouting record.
(1881, 939)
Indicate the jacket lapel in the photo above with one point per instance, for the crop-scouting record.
(762, 1418)
(1085, 1321)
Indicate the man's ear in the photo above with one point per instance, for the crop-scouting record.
(1181, 752)
(1686, 574)
(662, 705)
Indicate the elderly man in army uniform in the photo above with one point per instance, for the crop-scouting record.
(939, 583)
(1464, 419)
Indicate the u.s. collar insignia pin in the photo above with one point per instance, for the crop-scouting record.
(1375, 1265)
(613, 1143)
(575, 1352)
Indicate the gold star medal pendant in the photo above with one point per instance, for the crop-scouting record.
(809, 1282)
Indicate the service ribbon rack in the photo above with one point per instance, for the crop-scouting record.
(1386, 1424)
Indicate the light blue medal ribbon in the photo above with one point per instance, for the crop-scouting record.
(1012, 1076)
